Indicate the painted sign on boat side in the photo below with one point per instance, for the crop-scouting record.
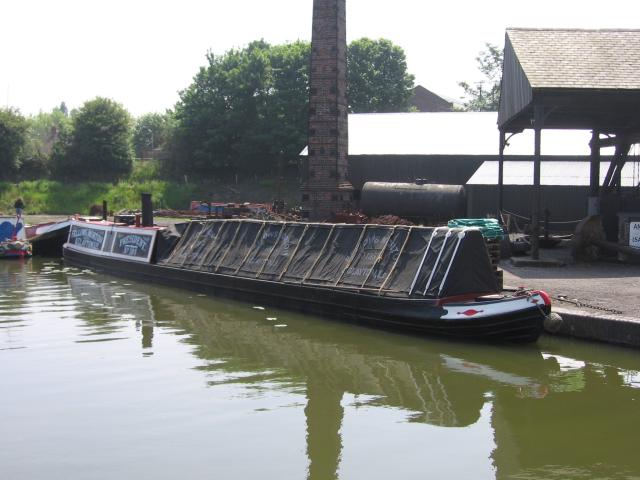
(89, 238)
(112, 241)
(132, 244)
(634, 234)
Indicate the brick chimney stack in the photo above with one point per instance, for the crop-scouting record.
(325, 188)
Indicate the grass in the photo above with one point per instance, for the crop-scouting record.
(54, 197)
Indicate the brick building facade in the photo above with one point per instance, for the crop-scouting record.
(325, 188)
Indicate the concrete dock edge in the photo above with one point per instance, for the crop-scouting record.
(614, 329)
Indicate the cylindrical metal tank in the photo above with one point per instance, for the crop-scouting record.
(411, 200)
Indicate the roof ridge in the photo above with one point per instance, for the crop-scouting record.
(549, 29)
(419, 113)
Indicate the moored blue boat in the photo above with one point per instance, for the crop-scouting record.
(13, 243)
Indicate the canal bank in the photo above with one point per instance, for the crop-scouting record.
(597, 301)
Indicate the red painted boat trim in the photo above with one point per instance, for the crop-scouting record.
(460, 298)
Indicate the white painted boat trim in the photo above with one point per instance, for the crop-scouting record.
(475, 310)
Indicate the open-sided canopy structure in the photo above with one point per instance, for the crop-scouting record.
(584, 79)
(572, 79)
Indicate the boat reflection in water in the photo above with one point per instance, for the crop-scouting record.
(551, 415)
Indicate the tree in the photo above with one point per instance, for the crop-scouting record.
(43, 132)
(485, 95)
(13, 130)
(244, 112)
(98, 147)
(378, 78)
(287, 107)
(151, 131)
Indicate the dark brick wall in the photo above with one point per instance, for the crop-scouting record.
(325, 188)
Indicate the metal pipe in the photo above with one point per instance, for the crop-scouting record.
(147, 210)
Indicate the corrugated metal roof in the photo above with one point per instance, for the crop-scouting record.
(578, 59)
(451, 133)
(552, 173)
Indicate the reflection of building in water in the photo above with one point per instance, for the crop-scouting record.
(539, 405)
(329, 361)
(582, 428)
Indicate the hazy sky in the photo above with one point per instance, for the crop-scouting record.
(142, 52)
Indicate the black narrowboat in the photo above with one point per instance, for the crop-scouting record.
(435, 281)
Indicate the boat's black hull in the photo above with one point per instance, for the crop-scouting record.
(50, 244)
(416, 315)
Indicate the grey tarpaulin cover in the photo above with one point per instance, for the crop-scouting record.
(385, 260)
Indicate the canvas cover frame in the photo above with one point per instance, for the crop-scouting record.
(398, 261)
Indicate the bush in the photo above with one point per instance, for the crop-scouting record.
(13, 130)
(99, 145)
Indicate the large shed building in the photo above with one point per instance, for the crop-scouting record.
(574, 79)
(459, 148)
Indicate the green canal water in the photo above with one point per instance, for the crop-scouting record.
(102, 378)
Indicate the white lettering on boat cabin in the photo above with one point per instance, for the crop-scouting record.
(87, 238)
(133, 245)
(634, 234)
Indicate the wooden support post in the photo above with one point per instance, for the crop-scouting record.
(501, 175)
(593, 207)
(538, 124)
(624, 155)
(613, 178)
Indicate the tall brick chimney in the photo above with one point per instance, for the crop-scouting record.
(325, 188)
